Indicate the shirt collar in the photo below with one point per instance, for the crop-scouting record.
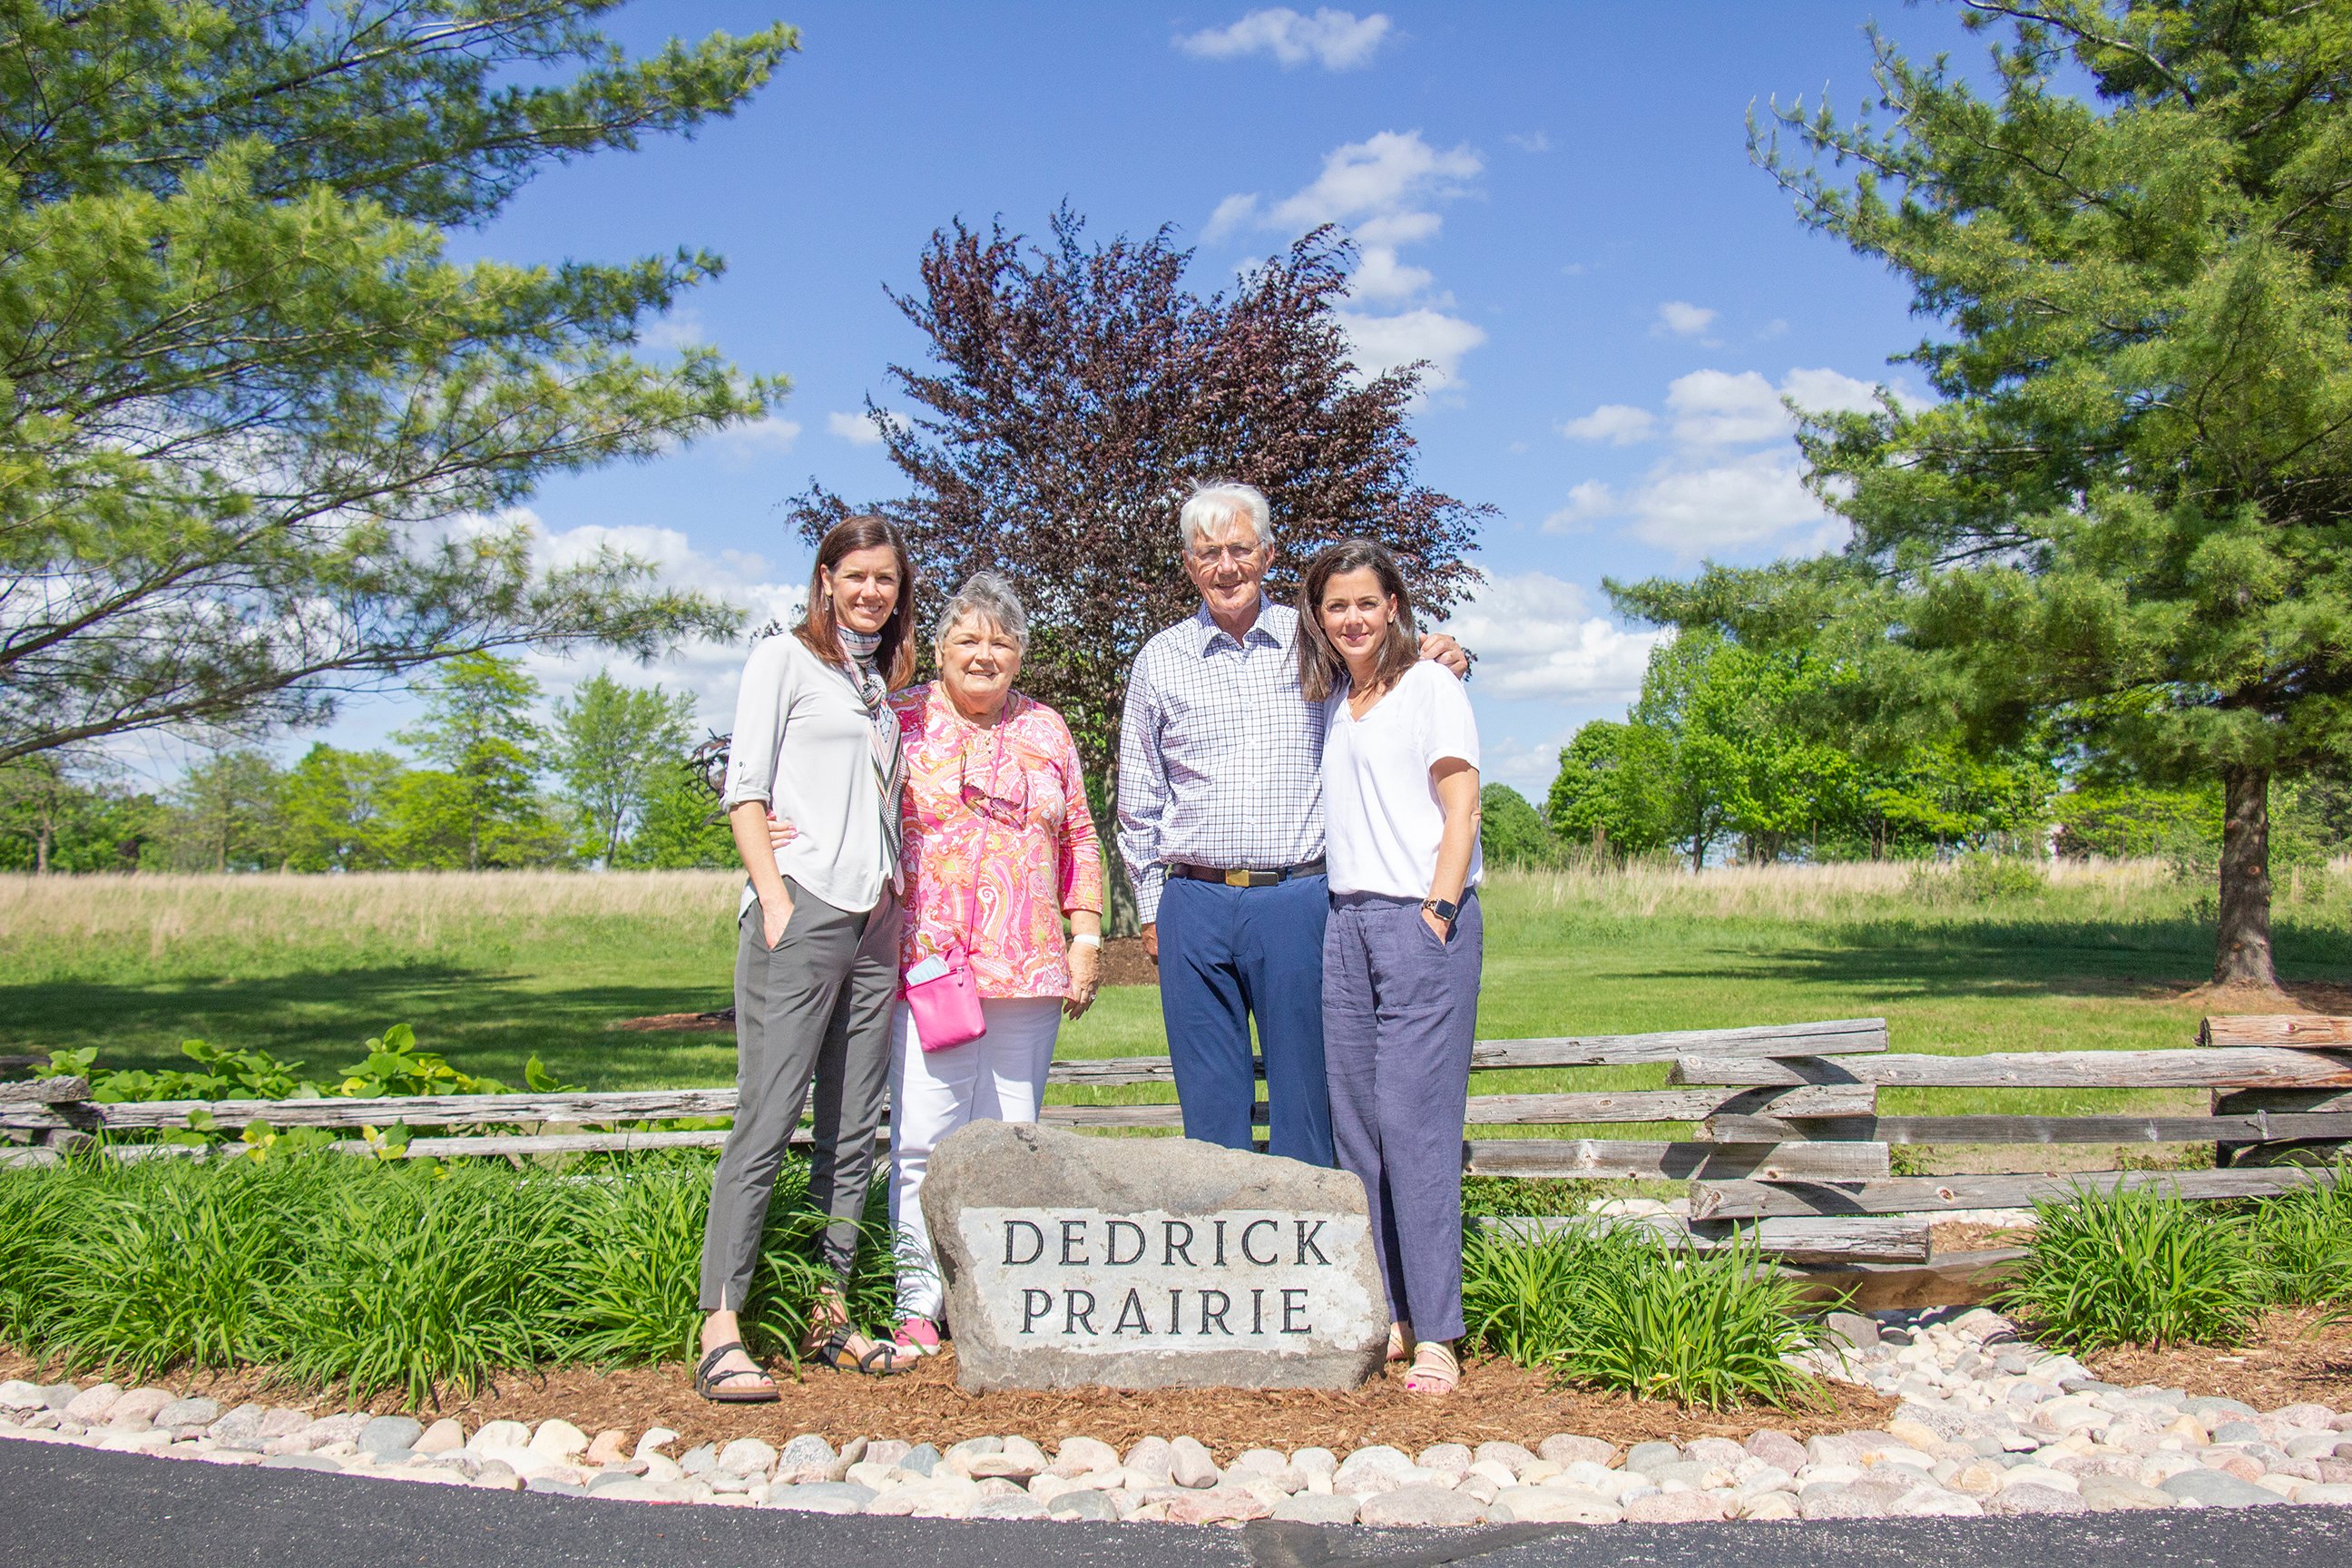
(1275, 627)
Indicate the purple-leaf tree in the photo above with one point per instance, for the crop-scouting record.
(1075, 393)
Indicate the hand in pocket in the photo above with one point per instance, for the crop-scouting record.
(774, 917)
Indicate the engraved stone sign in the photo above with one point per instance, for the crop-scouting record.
(1149, 1263)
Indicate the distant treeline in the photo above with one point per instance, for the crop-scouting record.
(605, 779)
(1722, 758)
(1730, 754)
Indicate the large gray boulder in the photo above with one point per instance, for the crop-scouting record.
(1149, 1263)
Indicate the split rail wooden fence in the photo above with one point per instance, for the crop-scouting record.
(1790, 1150)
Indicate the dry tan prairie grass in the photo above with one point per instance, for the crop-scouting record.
(155, 915)
(2094, 889)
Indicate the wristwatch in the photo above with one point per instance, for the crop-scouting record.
(1445, 910)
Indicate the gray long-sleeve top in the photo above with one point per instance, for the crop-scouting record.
(804, 744)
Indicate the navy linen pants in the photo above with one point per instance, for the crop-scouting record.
(1226, 953)
(1400, 1012)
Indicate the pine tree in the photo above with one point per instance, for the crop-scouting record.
(2129, 511)
(255, 429)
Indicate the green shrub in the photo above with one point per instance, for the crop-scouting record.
(408, 1275)
(2304, 1241)
(163, 1271)
(1529, 1194)
(628, 1279)
(2118, 1266)
(1521, 1299)
(1980, 879)
(1708, 1329)
(406, 1279)
(1510, 831)
(393, 1065)
(1612, 1309)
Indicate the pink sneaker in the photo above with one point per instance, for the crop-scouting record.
(918, 1336)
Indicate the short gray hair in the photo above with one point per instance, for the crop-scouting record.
(988, 595)
(1222, 503)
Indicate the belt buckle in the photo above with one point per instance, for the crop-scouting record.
(1237, 877)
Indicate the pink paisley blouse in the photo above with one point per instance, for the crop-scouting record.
(999, 842)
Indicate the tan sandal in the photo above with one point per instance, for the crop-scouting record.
(1399, 1348)
(718, 1386)
(1435, 1371)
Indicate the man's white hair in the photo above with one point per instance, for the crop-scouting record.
(1224, 502)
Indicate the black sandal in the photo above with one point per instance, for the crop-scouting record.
(707, 1379)
(834, 1351)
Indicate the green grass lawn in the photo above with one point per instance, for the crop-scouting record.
(490, 969)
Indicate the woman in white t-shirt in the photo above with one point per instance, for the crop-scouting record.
(1403, 948)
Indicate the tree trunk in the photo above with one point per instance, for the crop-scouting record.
(41, 850)
(2241, 953)
(1119, 911)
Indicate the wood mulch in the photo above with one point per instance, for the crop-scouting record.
(2291, 1359)
(1125, 963)
(1497, 1401)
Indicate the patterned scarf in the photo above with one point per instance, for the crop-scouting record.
(889, 761)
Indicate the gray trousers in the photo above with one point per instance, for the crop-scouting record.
(816, 1005)
(1399, 1011)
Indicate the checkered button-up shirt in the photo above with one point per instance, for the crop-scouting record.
(1219, 756)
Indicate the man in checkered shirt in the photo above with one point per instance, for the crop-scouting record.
(1221, 824)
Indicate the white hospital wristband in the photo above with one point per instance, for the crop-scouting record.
(1085, 940)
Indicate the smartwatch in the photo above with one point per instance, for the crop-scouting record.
(1445, 910)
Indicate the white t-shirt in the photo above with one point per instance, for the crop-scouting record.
(1381, 820)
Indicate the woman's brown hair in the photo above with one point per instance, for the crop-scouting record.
(1321, 666)
(822, 633)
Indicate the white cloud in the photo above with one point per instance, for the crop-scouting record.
(1536, 142)
(1823, 391)
(1703, 500)
(1381, 177)
(1683, 319)
(1537, 635)
(1336, 40)
(1529, 769)
(1384, 343)
(770, 435)
(681, 328)
(1385, 190)
(858, 429)
(1586, 501)
(707, 669)
(1234, 213)
(1380, 275)
(1734, 505)
(1715, 407)
(1619, 424)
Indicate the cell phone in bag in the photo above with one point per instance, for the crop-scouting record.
(931, 968)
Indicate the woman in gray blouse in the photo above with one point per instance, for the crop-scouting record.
(816, 972)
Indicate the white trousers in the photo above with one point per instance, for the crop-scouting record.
(1000, 1077)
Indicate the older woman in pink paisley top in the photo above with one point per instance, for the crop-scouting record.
(1000, 851)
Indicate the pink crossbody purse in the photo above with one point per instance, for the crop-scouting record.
(942, 992)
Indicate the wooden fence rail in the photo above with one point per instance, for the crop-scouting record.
(1791, 1152)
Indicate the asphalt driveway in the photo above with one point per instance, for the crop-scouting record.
(65, 1507)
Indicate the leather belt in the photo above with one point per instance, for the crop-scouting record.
(1242, 877)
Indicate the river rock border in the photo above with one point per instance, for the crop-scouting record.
(1989, 1424)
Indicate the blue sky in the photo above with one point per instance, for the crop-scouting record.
(1554, 205)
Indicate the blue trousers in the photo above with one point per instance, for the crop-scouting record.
(1403, 1009)
(1227, 954)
